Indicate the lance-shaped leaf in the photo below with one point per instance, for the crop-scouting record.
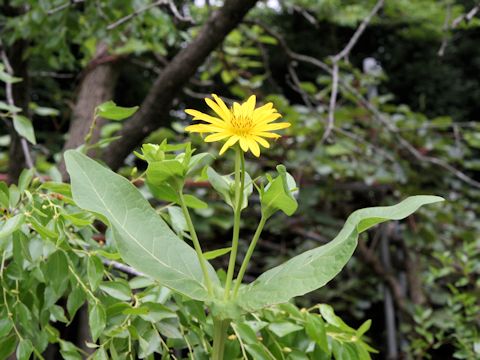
(314, 268)
(143, 239)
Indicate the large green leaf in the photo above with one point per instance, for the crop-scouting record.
(144, 240)
(314, 268)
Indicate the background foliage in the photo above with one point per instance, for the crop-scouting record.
(408, 127)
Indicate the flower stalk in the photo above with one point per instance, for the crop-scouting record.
(248, 255)
(196, 243)
(239, 188)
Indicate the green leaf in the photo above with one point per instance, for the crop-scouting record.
(4, 195)
(117, 289)
(97, 320)
(314, 268)
(6, 77)
(23, 126)
(364, 328)
(11, 225)
(283, 328)
(209, 255)
(7, 346)
(75, 300)
(25, 178)
(278, 194)
(111, 111)
(315, 329)
(94, 271)
(143, 239)
(159, 172)
(5, 326)
(224, 185)
(10, 108)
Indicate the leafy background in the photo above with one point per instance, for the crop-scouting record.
(424, 270)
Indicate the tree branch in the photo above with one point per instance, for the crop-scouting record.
(176, 74)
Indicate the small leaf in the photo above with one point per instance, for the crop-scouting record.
(284, 328)
(111, 111)
(94, 271)
(75, 300)
(23, 126)
(117, 289)
(10, 108)
(5, 326)
(25, 178)
(11, 225)
(97, 320)
(209, 255)
(364, 328)
(278, 194)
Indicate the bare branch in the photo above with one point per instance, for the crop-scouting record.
(467, 17)
(64, 6)
(354, 39)
(332, 104)
(344, 55)
(170, 4)
(122, 267)
(369, 106)
(11, 102)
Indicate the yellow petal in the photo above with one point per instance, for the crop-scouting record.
(261, 141)
(261, 109)
(217, 137)
(222, 105)
(244, 144)
(230, 142)
(201, 128)
(197, 115)
(254, 148)
(214, 106)
(249, 105)
(267, 118)
(271, 127)
(266, 134)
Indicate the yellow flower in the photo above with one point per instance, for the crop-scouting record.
(242, 123)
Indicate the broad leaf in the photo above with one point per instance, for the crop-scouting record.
(23, 126)
(314, 268)
(144, 240)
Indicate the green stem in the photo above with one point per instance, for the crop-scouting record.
(196, 243)
(248, 255)
(219, 336)
(89, 135)
(239, 186)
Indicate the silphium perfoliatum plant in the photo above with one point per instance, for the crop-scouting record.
(146, 242)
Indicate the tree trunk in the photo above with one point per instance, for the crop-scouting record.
(97, 86)
(174, 76)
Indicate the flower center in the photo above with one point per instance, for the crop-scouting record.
(241, 124)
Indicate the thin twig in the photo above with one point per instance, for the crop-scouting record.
(11, 102)
(369, 106)
(467, 17)
(356, 36)
(135, 13)
(335, 60)
(122, 267)
(170, 4)
(448, 15)
(332, 104)
(64, 6)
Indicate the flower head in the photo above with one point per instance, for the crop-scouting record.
(241, 123)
